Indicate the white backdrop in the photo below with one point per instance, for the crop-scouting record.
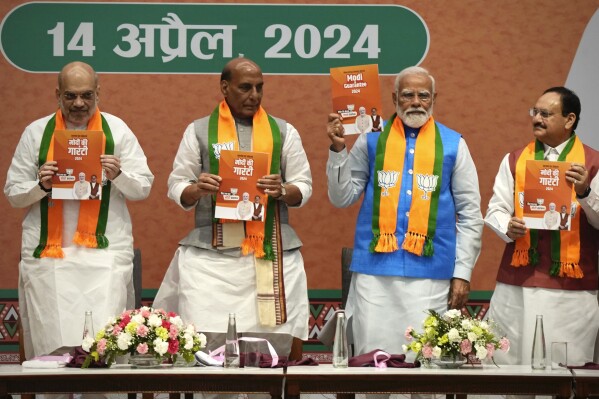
(584, 80)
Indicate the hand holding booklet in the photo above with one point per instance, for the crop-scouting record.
(547, 197)
(77, 154)
(357, 97)
(239, 197)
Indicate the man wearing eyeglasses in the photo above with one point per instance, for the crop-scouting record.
(549, 273)
(75, 255)
(410, 254)
(363, 121)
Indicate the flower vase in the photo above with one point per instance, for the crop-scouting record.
(145, 361)
(450, 361)
(181, 362)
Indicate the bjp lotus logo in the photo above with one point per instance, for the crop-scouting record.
(573, 207)
(427, 183)
(218, 147)
(521, 198)
(387, 179)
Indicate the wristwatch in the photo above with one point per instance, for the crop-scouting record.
(47, 190)
(585, 194)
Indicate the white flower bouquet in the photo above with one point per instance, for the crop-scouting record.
(144, 331)
(454, 335)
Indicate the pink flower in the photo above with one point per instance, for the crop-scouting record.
(166, 324)
(173, 332)
(171, 314)
(504, 344)
(408, 332)
(142, 349)
(116, 330)
(101, 346)
(427, 351)
(173, 346)
(490, 350)
(465, 347)
(142, 330)
(145, 313)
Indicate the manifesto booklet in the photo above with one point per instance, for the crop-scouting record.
(547, 196)
(238, 197)
(357, 97)
(77, 153)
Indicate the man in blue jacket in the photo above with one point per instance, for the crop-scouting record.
(418, 233)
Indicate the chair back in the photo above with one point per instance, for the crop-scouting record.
(346, 257)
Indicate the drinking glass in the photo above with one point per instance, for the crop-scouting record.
(559, 355)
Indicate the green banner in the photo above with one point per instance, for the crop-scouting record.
(201, 38)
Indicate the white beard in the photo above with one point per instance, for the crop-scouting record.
(414, 120)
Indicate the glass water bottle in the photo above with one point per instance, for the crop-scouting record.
(340, 347)
(88, 325)
(231, 344)
(538, 346)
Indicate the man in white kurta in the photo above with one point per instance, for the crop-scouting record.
(363, 121)
(551, 218)
(54, 293)
(392, 291)
(568, 304)
(81, 188)
(244, 208)
(204, 283)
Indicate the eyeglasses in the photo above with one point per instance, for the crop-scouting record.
(543, 112)
(408, 96)
(85, 96)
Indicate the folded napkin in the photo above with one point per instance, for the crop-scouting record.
(47, 362)
(79, 356)
(262, 360)
(305, 361)
(43, 364)
(283, 361)
(381, 359)
(587, 366)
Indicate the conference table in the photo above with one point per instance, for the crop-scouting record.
(466, 380)
(586, 382)
(299, 379)
(123, 379)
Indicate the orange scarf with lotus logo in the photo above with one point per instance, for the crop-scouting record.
(388, 166)
(93, 215)
(565, 245)
(262, 239)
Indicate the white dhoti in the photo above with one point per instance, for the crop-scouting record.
(383, 307)
(54, 295)
(570, 316)
(204, 287)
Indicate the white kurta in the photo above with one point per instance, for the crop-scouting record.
(55, 293)
(204, 286)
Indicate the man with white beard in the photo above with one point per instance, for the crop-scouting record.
(418, 233)
(363, 122)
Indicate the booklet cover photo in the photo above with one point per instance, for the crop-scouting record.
(357, 97)
(547, 196)
(77, 154)
(238, 197)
